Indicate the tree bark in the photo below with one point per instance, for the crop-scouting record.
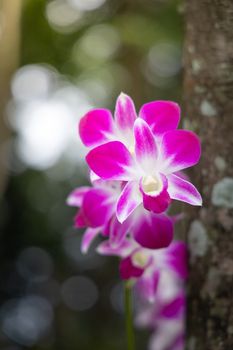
(10, 11)
(208, 102)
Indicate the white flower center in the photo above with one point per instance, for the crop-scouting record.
(151, 185)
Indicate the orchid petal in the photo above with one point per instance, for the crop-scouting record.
(111, 161)
(94, 177)
(153, 231)
(129, 200)
(88, 238)
(180, 149)
(161, 116)
(145, 146)
(174, 308)
(80, 220)
(177, 257)
(118, 231)
(105, 248)
(96, 127)
(182, 174)
(148, 284)
(125, 113)
(75, 198)
(183, 190)
(97, 207)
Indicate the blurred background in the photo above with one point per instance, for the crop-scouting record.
(58, 59)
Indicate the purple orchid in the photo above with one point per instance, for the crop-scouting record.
(97, 212)
(146, 152)
(136, 169)
(97, 206)
(159, 277)
(98, 126)
(166, 314)
(146, 265)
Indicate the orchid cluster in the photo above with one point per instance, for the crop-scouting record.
(136, 172)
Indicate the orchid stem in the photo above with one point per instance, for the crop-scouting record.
(128, 317)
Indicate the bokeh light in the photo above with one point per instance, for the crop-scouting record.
(72, 243)
(35, 264)
(79, 293)
(86, 5)
(62, 16)
(32, 82)
(26, 320)
(100, 42)
(162, 64)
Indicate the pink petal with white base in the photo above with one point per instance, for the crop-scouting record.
(145, 146)
(97, 207)
(75, 198)
(147, 285)
(96, 127)
(118, 231)
(93, 177)
(162, 116)
(128, 201)
(177, 258)
(153, 231)
(180, 149)
(88, 238)
(182, 174)
(111, 161)
(105, 248)
(125, 113)
(157, 200)
(183, 190)
(174, 308)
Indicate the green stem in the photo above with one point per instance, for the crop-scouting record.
(128, 317)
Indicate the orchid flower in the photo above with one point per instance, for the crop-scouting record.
(97, 206)
(98, 126)
(136, 165)
(149, 167)
(97, 212)
(146, 265)
(166, 316)
(159, 276)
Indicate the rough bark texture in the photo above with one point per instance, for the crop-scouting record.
(208, 102)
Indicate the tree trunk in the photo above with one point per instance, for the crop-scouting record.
(208, 102)
(10, 11)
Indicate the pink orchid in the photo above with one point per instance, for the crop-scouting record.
(146, 265)
(166, 316)
(149, 164)
(98, 126)
(97, 212)
(136, 165)
(97, 206)
(159, 276)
